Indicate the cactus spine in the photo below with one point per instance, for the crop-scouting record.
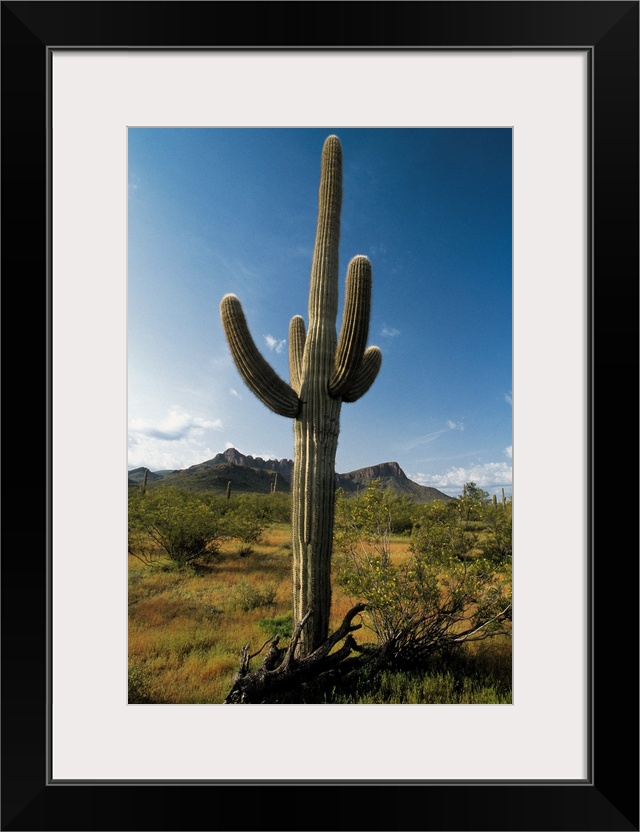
(325, 370)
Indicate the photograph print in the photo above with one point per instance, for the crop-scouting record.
(319, 415)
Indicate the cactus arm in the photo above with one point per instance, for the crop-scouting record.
(367, 374)
(355, 326)
(297, 337)
(257, 373)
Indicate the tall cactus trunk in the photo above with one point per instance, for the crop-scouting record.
(318, 424)
(312, 514)
(325, 371)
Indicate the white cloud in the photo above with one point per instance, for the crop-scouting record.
(508, 399)
(273, 343)
(234, 393)
(491, 476)
(454, 425)
(162, 456)
(179, 440)
(176, 426)
(390, 332)
(509, 451)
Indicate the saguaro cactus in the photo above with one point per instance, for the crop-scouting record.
(324, 372)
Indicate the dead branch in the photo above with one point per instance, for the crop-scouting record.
(282, 677)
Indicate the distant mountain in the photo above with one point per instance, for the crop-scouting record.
(136, 476)
(257, 475)
(234, 457)
(392, 477)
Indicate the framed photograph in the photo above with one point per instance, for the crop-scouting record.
(562, 80)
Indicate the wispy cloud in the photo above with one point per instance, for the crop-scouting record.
(430, 437)
(422, 440)
(273, 343)
(508, 399)
(234, 393)
(390, 331)
(509, 451)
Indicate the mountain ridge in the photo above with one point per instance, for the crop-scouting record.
(255, 474)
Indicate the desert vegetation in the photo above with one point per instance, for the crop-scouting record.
(444, 586)
(211, 574)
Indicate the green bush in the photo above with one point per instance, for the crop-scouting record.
(496, 542)
(441, 532)
(402, 511)
(180, 524)
(439, 597)
(246, 518)
(248, 596)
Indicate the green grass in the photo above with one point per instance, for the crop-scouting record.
(472, 677)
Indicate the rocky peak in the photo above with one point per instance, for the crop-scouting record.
(378, 472)
(233, 456)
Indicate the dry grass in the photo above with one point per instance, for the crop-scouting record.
(187, 628)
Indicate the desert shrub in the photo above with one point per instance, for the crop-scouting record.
(437, 598)
(248, 596)
(180, 524)
(495, 543)
(366, 518)
(441, 531)
(280, 507)
(246, 519)
(402, 511)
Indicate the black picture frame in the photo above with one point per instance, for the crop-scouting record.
(608, 798)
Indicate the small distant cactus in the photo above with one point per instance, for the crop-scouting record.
(229, 490)
(325, 370)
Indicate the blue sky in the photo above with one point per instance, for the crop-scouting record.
(221, 210)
